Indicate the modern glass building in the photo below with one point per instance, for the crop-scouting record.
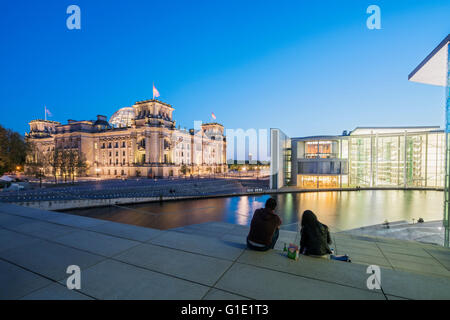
(366, 157)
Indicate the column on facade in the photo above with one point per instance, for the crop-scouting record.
(154, 141)
(147, 147)
(132, 156)
(161, 147)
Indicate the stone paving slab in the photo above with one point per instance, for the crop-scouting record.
(200, 232)
(344, 273)
(369, 260)
(442, 257)
(55, 291)
(423, 268)
(210, 229)
(216, 294)
(354, 251)
(27, 212)
(42, 229)
(8, 221)
(414, 286)
(198, 268)
(15, 282)
(96, 243)
(116, 280)
(198, 244)
(389, 297)
(49, 259)
(259, 283)
(126, 231)
(74, 221)
(390, 249)
(10, 239)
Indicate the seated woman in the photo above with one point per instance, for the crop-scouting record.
(315, 236)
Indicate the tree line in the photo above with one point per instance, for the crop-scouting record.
(58, 162)
(17, 153)
(13, 150)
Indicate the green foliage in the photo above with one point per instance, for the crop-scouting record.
(13, 150)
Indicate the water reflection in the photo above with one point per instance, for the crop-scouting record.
(339, 210)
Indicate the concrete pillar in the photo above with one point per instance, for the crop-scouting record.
(294, 163)
(447, 156)
(404, 161)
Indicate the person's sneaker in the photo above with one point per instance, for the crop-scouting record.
(340, 258)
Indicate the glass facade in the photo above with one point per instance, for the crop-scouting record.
(368, 157)
(320, 163)
(320, 149)
(403, 160)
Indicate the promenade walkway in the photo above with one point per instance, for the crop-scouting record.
(206, 261)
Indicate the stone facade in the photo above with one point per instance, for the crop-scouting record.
(150, 147)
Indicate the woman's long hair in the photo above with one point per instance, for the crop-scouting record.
(310, 222)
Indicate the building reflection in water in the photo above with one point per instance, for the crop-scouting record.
(339, 210)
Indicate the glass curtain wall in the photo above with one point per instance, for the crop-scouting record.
(406, 160)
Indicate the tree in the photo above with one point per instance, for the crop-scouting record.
(184, 169)
(53, 159)
(63, 164)
(72, 159)
(34, 160)
(80, 164)
(13, 150)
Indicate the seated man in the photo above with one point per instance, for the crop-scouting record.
(264, 228)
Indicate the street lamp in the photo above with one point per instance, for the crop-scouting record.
(435, 70)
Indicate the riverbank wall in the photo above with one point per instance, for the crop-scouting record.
(69, 204)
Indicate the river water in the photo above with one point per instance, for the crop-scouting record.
(339, 210)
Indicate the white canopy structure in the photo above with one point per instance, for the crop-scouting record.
(435, 70)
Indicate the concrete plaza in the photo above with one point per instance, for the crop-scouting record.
(206, 261)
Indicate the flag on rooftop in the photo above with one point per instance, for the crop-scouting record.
(47, 112)
(213, 115)
(155, 92)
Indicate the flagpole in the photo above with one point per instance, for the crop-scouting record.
(45, 112)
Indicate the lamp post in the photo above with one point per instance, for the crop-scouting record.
(435, 70)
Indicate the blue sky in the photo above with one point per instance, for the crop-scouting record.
(305, 67)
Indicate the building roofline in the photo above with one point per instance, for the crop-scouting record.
(317, 137)
(212, 124)
(42, 120)
(153, 100)
(424, 61)
(399, 127)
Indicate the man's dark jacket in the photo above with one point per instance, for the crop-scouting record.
(263, 226)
